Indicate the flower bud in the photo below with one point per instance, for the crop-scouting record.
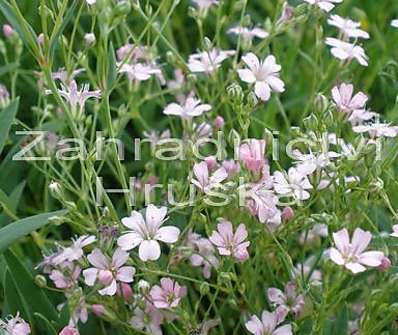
(252, 100)
(122, 8)
(55, 189)
(204, 288)
(219, 122)
(287, 214)
(235, 92)
(41, 281)
(207, 43)
(8, 31)
(105, 277)
(385, 264)
(89, 39)
(4, 97)
(68, 330)
(40, 39)
(287, 14)
(143, 286)
(125, 291)
(98, 309)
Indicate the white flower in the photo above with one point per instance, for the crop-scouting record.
(205, 4)
(192, 107)
(264, 75)
(249, 34)
(139, 72)
(208, 61)
(348, 27)
(91, 2)
(347, 51)
(75, 251)
(204, 181)
(394, 23)
(146, 233)
(326, 5)
(358, 116)
(377, 130)
(309, 163)
(294, 184)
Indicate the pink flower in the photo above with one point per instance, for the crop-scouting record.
(168, 294)
(204, 181)
(231, 167)
(139, 72)
(326, 5)
(148, 319)
(347, 51)
(108, 272)
(268, 325)
(68, 330)
(211, 162)
(264, 75)
(146, 233)
(252, 154)
(345, 102)
(295, 184)
(208, 61)
(17, 326)
(203, 253)
(192, 107)
(228, 243)
(351, 254)
(348, 27)
(66, 276)
(289, 299)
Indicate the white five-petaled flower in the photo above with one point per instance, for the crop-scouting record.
(348, 27)
(326, 5)
(264, 75)
(377, 129)
(139, 72)
(74, 97)
(208, 61)
(352, 254)
(394, 23)
(247, 33)
(294, 184)
(347, 51)
(108, 271)
(204, 181)
(192, 107)
(146, 233)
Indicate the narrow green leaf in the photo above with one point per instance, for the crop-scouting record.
(21, 228)
(13, 301)
(112, 70)
(50, 330)
(32, 295)
(6, 118)
(8, 68)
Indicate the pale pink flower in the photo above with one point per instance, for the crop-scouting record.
(192, 107)
(377, 130)
(231, 167)
(202, 130)
(352, 254)
(344, 99)
(168, 294)
(66, 276)
(252, 154)
(146, 233)
(69, 330)
(74, 97)
(205, 4)
(269, 323)
(139, 71)
(307, 164)
(247, 33)
(229, 243)
(75, 251)
(347, 51)
(395, 230)
(306, 270)
(314, 234)
(358, 116)
(264, 75)
(17, 326)
(203, 253)
(148, 320)
(63, 75)
(290, 299)
(108, 271)
(208, 61)
(394, 23)
(325, 5)
(79, 313)
(206, 181)
(293, 184)
(348, 27)
(211, 162)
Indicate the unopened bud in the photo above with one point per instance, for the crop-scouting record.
(219, 122)
(252, 100)
(143, 286)
(385, 264)
(287, 214)
(41, 281)
(98, 310)
(89, 39)
(235, 92)
(204, 288)
(8, 31)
